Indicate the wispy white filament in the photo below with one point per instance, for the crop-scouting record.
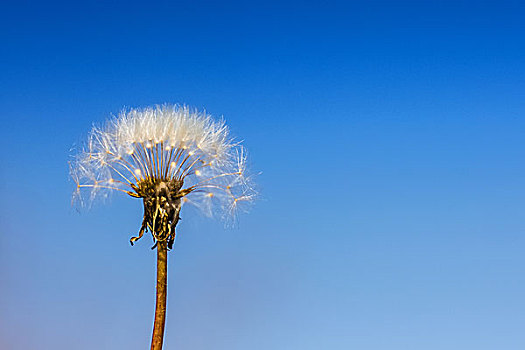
(164, 142)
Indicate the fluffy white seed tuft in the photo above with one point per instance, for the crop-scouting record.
(164, 143)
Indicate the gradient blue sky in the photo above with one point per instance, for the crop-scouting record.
(390, 136)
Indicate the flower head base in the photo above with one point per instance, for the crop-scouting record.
(167, 155)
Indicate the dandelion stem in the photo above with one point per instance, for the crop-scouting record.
(162, 286)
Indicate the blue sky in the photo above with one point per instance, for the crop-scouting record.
(390, 137)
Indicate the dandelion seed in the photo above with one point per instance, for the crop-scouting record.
(151, 154)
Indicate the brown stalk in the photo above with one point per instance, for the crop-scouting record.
(162, 288)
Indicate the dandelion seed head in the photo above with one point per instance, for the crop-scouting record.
(168, 151)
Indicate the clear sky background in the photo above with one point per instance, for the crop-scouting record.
(390, 137)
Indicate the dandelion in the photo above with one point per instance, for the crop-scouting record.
(168, 156)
